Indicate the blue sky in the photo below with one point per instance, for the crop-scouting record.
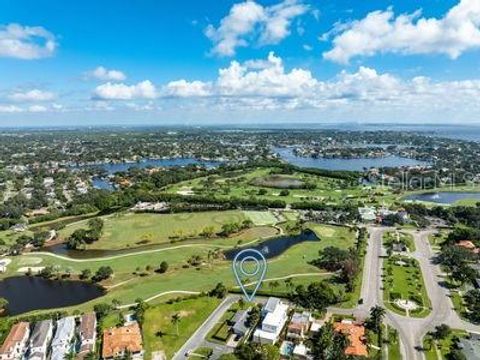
(162, 62)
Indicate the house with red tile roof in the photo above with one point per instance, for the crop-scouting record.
(16, 343)
(118, 341)
(356, 336)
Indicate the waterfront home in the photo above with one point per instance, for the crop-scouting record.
(88, 333)
(273, 322)
(118, 341)
(16, 343)
(356, 336)
(62, 341)
(40, 339)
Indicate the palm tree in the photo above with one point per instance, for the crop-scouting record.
(175, 319)
(376, 319)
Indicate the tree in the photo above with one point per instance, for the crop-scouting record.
(317, 296)
(102, 309)
(208, 231)
(327, 344)
(253, 316)
(441, 332)
(219, 291)
(3, 303)
(375, 322)
(175, 320)
(472, 300)
(85, 274)
(103, 273)
(163, 267)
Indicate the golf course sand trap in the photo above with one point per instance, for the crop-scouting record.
(33, 269)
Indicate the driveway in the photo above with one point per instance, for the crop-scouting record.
(199, 336)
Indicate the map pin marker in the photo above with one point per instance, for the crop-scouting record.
(252, 277)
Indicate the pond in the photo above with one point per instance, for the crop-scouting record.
(26, 293)
(443, 197)
(276, 246)
(269, 248)
(345, 164)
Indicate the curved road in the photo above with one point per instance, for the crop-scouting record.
(411, 330)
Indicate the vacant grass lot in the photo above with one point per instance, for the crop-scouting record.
(129, 230)
(161, 334)
(403, 280)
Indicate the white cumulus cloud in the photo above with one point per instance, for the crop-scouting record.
(383, 32)
(120, 91)
(249, 21)
(104, 74)
(25, 42)
(32, 95)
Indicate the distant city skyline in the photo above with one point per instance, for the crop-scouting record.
(239, 62)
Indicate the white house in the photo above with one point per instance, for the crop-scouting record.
(16, 343)
(62, 342)
(41, 336)
(273, 322)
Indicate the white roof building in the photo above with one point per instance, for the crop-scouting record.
(61, 343)
(273, 322)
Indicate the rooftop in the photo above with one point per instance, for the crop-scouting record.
(356, 335)
(40, 333)
(16, 335)
(87, 326)
(65, 330)
(118, 340)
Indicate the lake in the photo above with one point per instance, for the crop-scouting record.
(103, 183)
(276, 246)
(112, 168)
(443, 197)
(27, 293)
(359, 164)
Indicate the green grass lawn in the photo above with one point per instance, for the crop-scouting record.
(261, 218)
(245, 184)
(201, 353)
(130, 230)
(394, 352)
(404, 282)
(160, 334)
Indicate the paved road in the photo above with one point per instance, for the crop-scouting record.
(197, 339)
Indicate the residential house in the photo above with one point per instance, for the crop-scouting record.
(16, 343)
(469, 245)
(88, 334)
(239, 321)
(299, 326)
(62, 341)
(356, 336)
(117, 341)
(301, 352)
(273, 322)
(40, 339)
